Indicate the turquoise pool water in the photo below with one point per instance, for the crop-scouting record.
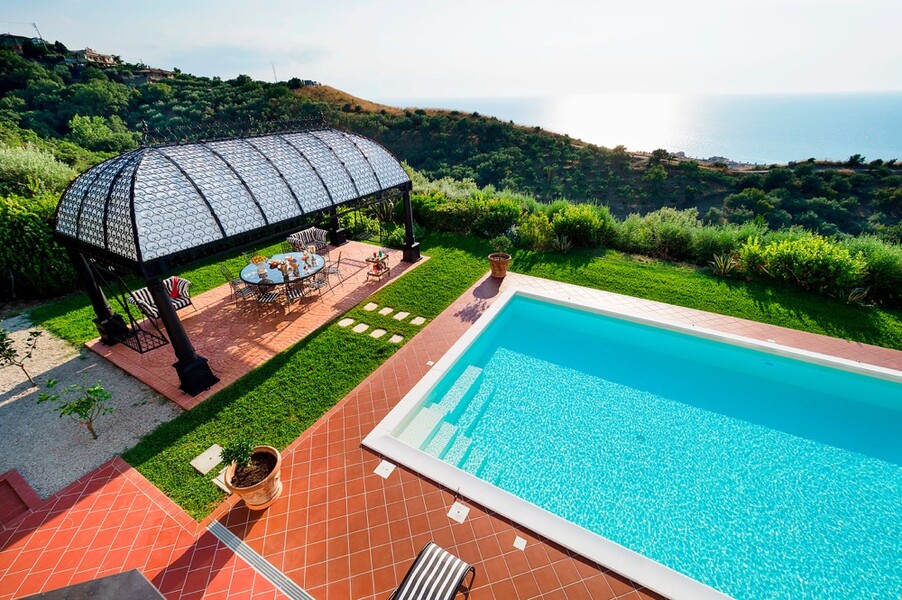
(759, 475)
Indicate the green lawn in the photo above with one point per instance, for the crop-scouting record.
(278, 401)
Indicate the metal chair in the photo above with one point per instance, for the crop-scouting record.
(267, 295)
(294, 292)
(334, 268)
(240, 290)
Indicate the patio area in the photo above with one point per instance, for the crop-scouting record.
(237, 337)
(339, 530)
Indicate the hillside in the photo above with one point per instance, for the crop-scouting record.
(84, 113)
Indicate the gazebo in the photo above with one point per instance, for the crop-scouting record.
(169, 205)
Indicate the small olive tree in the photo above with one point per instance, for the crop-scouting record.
(10, 356)
(80, 403)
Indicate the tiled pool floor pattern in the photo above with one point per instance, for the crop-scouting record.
(339, 530)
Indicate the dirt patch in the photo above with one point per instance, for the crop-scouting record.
(261, 465)
(50, 451)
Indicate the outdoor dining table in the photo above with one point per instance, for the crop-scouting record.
(274, 276)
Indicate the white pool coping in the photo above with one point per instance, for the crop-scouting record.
(630, 564)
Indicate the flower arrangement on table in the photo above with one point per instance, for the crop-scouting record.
(257, 259)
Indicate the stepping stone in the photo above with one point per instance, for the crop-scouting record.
(377, 333)
(458, 512)
(386, 311)
(396, 339)
(371, 306)
(219, 481)
(417, 321)
(345, 322)
(360, 328)
(401, 316)
(207, 459)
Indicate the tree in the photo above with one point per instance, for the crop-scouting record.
(856, 160)
(658, 156)
(88, 403)
(10, 356)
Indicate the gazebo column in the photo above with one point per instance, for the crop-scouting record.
(411, 246)
(111, 326)
(194, 373)
(337, 234)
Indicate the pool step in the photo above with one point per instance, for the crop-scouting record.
(476, 407)
(456, 451)
(422, 425)
(460, 388)
(441, 439)
(474, 460)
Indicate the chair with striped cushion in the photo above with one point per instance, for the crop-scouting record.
(144, 301)
(436, 574)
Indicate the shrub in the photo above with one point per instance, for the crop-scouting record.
(751, 257)
(534, 231)
(883, 274)
(584, 224)
(670, 232)
(814, 263)
(720, 239)
(39, 266)
(632, 236)
(29, 172)
(495, 216)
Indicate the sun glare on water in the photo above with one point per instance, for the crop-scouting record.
(648, 121)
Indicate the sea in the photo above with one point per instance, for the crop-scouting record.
(756, 129)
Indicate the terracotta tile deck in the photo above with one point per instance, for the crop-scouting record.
(113, 520)
(236, 338)
(338, 531)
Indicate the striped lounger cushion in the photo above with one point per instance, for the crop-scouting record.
(434, 575)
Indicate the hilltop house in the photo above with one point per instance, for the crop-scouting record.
(149, 76)
(95, 58)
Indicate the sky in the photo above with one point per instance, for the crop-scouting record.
(465, 49)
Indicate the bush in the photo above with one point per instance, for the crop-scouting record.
(721, 239)
(496, 216)
(632, 236)
(751, 257)
(584, 225)
(814, 263)
(534, 231)
(883, 274)
(40, 267)
(27, 171)
(670, 232)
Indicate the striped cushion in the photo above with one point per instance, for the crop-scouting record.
(434, 575)
(143, 300)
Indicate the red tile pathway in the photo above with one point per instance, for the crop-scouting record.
(237, 338)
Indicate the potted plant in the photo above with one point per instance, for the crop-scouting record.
(499, 259)
(253, 472)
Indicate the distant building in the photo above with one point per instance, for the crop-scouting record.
(12, 42)
(95, 58)
(149, 76)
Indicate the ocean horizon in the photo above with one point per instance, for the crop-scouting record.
(749, 128)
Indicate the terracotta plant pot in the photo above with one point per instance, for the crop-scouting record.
(260, 495)
(499, 261)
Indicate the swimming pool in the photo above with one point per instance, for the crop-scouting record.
(697, 465)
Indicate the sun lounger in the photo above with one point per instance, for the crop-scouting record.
(434, 575)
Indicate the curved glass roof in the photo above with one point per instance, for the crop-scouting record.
(155, 202)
